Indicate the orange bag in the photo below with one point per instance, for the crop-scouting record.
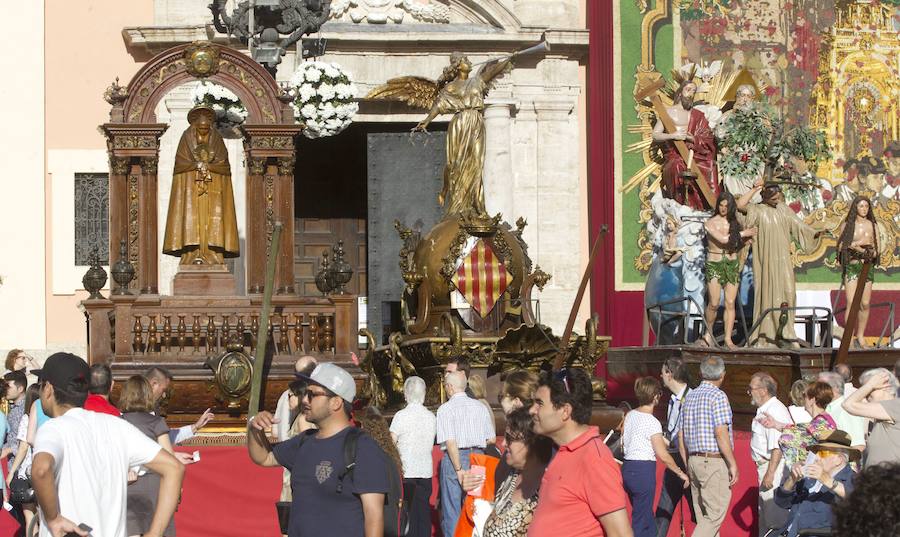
(466, 523)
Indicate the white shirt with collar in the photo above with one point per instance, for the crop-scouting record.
(765, 439)
(673, 414)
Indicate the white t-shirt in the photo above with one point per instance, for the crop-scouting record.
(639, 427)
(92, 453)
(415, 430)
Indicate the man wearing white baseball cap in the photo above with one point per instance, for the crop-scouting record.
(328, 497)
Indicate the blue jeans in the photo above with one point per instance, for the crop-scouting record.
(639, 478)
(451, 491)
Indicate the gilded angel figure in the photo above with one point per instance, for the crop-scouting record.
(455, 92)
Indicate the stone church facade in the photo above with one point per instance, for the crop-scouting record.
(535, 120)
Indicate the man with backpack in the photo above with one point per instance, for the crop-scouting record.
(339, 475)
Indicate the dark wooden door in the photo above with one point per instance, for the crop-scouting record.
(330, 201)
(313, 235)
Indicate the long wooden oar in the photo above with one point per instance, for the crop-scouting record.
(567, 334)
(852, 314)
(262, 335)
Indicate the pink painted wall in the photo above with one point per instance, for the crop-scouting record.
(84, 52)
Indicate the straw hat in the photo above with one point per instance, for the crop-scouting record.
(837, 441)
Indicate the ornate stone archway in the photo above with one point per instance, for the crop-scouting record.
(133, 136)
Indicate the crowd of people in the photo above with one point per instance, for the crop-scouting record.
(828, 460)
(91, 466)
(551, 473)
(809, 456)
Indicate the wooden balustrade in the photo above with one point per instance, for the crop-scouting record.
(294, 333)
(189, 329)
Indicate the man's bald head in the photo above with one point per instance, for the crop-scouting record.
(455, 382)
(305, 365)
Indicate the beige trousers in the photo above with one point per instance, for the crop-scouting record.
(770, 515)
(709, 486)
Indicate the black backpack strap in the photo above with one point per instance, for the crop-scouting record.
(350, 444)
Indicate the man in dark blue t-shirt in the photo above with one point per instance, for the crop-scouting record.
(320, 506)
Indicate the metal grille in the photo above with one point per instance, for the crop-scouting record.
(91, 217)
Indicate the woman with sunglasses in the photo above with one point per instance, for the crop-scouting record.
(528, 455)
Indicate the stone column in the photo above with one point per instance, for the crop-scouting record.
(498, 173)
(558, 210)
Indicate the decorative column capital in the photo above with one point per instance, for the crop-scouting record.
(256, 165)
(119, 165)
(286, 166)
(149, 165)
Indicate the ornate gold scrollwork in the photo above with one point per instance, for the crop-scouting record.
(134, 142)
(271, 142)
(134, 226)
(286, 166)
(119, 165)
(115, 94)
(201, 59)
(256, 165)
(448, 266)
(149, 165)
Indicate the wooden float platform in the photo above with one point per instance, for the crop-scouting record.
(625, 364)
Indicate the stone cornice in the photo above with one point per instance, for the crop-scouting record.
(564, 43)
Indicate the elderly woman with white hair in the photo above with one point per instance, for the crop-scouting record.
(413, 429)
(877, 400)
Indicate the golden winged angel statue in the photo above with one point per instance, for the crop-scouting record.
(455, 92)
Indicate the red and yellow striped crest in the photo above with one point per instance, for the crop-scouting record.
(481, 278)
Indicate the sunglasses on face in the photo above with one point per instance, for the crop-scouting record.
(312, 395)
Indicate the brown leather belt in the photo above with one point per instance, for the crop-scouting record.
(707, 454)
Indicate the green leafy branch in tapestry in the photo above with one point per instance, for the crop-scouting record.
(799, 152)
(801, 144)
(745, 135)
(703, 9)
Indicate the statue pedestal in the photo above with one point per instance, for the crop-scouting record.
(204, 280)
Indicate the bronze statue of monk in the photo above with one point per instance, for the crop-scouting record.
(201, 226)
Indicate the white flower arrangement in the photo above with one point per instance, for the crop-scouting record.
(323, 98)
(230, 111)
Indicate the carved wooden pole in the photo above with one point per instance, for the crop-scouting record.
(852, 314)
(263, 331)
(567, 334)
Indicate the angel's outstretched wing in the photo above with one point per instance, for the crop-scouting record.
(415, 91)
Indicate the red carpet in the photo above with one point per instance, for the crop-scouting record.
(226, 495)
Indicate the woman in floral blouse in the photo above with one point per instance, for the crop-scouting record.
(528, 454)
(796, 438)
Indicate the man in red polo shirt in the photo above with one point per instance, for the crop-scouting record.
(581, 492)
(98, 391)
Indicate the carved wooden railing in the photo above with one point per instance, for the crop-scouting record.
(157, 329)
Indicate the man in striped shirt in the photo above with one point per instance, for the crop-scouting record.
(464, 426)
(705, 442)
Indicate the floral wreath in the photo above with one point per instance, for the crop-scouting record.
(230, 111)
(323, 98)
